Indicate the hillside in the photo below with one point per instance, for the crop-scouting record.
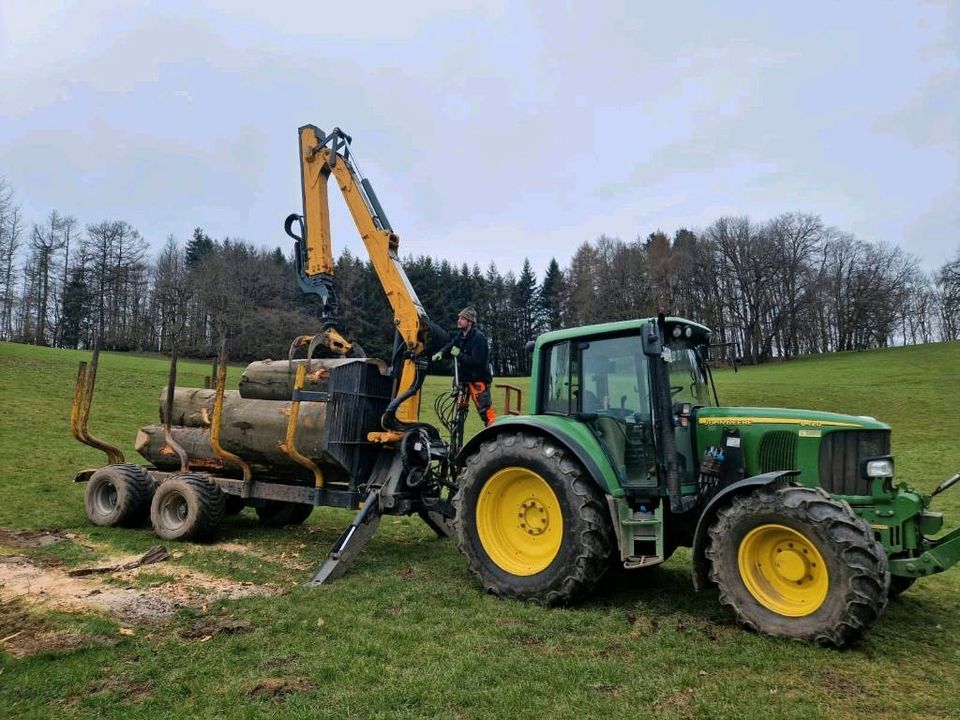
(408, 633)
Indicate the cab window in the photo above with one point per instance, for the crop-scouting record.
(561, 383)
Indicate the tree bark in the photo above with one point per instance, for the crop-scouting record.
(273, 379)
(193, 407)
(255, 430)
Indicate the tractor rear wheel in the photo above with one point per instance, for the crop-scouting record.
(531, 522)
(277, 513)
(187, 507)
(793, 562)
(118, 495)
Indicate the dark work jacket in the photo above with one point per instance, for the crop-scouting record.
(474, 355)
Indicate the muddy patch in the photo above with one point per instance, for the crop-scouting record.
(277, 688)
(206, 628)
(24, 579)
(31, 538)
(23, 633)
(129, 692)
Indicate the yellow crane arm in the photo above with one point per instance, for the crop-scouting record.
(323, 155)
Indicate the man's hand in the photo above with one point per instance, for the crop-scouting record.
(438, 356)
(454, 351)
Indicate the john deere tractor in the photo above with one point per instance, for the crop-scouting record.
(625, 456)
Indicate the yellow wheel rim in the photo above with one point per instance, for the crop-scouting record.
(783, 570)
(519, 522)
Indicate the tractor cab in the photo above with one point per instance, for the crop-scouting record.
(603, 377)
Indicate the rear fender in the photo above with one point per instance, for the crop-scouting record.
(701, 566)
(592, 458)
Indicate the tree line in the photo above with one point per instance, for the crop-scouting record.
(781, 288)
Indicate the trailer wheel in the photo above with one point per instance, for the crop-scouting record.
(118, 495)
(795, 563)
(530, 521)
(187, 507)
(277, 513)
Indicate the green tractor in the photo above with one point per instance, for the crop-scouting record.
(792, 514)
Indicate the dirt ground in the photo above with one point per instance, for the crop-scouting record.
(27, 583)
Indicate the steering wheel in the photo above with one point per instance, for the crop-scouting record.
(620, 413)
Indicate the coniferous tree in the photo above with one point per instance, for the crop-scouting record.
(551, 296)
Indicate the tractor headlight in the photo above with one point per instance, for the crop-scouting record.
(881, 467)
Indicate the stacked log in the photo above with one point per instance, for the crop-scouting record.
(192, 407)
(253, 423)
(273, 379)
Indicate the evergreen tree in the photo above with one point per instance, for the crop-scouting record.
(199, 247)
(77, 308)
(551, 296)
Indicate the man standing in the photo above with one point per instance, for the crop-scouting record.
(470, 348)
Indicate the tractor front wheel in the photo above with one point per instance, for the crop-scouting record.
(531, 522)
(187, 507)
(118, 495)
(795, 563)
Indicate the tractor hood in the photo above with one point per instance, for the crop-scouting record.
(750, 416)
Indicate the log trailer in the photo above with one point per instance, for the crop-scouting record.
(342, 432)
(625, 455)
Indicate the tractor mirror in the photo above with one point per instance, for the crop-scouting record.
(651, 341)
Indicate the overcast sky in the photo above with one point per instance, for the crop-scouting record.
(492, 131)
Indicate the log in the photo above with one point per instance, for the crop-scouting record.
(255, 430)
(273, 379)
(192, 407)
(153, 448)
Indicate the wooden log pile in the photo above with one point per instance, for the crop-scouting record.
(253, 425)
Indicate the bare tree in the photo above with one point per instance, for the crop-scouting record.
(948, 299)
(11, 231)
(46, 241)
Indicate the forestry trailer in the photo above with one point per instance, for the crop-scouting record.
(624, 455)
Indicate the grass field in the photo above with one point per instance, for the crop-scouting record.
(408, 633)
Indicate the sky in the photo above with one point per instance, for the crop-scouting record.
(492, 131)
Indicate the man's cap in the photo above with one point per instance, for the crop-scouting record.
(468, 313)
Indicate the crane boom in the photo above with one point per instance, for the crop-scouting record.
(323, 155)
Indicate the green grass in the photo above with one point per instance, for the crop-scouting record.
(408, 633)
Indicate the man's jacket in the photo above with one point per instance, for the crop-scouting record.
(473, 358)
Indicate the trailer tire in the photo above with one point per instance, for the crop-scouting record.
(118, 495)
(531, 523)
(187, 507)
(278, 513)
(794, 562)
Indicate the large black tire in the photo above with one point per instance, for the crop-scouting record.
(187, 507)
(119, 495)
(543, 531)
(278, 513)
(795, 563)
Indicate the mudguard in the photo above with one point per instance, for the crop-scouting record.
(570, 434)
(701, 569)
